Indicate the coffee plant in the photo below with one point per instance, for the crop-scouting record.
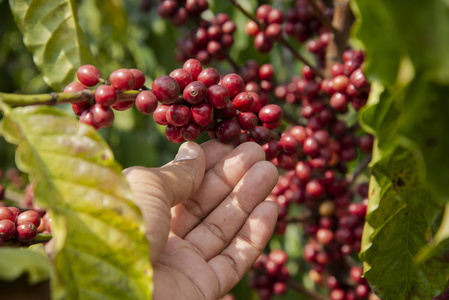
(346, 98)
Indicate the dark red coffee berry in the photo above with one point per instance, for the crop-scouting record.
(195, 92)
(88, 75)
(122, 80)
(146, 102)
(105, 95)
(234, 83)
(102, 116)
(202, 114)
(228, 131)
(166, 89)
(183, 77)
(243, 101)
(26, 232)
(7, 229)
(139, 78)
(193, 66)
(178, 115)
(218, 96)
(29, 216)
(209, 77)
(74, 87)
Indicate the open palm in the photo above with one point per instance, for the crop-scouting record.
(207, 221)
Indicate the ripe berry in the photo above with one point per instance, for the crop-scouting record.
(190, 132)
(202, 114)
(7, 214)
(272, 149)
(26, 232)
(260, 135)
(178, 115)
(183, 77)
(358, 78)
(324, 236)
(29, 216)
(193, 66)
(166, 89)
(173, 134)
(247, 120)
(139, 78)
(146, 102)
(86, 118)
(262, 42)
(270, 113)
(88, 75)
(195, 92)
(74, 87)
(7, 229)
(105, 95)
(251, 28)
(218, 96)
(314, 188)
(311, 147)
(123, 105)
(209, 77)
(102, 116)
(289, 143)
(79, 108)
(234, 83)
(228, 131)
(122, 79)
(243, 101)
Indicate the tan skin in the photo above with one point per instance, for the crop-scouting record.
(206, 215)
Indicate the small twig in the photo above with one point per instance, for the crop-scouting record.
(232, 62)
(360, 168)
(245, 12)
(323, 18)
(284, 42)
(57, 98)
(341, 21)
(303, 291)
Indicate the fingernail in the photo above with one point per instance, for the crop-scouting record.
(187, 151)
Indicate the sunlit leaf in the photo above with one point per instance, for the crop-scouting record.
(51, 33)
(100, 248)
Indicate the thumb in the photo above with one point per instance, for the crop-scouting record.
(156, 190)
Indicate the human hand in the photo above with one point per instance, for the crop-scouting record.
(207, 221)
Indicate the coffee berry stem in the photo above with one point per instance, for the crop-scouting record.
(58, 98)
(323, 18)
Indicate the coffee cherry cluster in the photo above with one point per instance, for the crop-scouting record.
(20, 224)
(298, 21)
(348, 83)
(179, 11)
(99, 113)
(194, 100)
(210, 40)
(269, 274)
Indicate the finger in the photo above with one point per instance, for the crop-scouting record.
(233, 263)
(218, 182)
(219, 228)
(215, 151)
(156, 190)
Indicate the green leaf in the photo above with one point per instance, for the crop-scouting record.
(100, 248)
(401, 211)
(16, 261)
(408, 115)
(51, 33)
